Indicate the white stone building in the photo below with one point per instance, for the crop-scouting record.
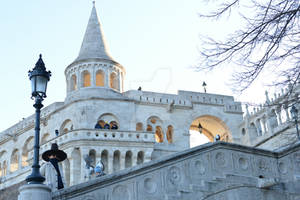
(140, 126)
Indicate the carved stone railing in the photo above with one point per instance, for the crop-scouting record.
(212, 171)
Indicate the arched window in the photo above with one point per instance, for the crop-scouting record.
(159, 136)
(113, 81)
(66, 126)
(128, 159)
(104, 159)
(100, 78)
(73, 82)
(14, 161)
(140, 157)
(170, 134)
(149, 127)
(86, 77)
(139, 126)
(92, 155)
(107, 121)
(116, 161)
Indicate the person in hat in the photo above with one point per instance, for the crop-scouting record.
(51, 170)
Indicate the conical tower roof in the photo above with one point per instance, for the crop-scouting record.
(94, 45)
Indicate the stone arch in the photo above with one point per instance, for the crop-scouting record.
(139, 126)
(116, 160)
(73, 82)
(86, 79)
(252, 130)
(76, 161)
(169, 134)
(92, 155)
(107, 119)
(156, 122)
(100, 80)
(159, 135)
(113, 81)
(45, 138)
(128, 159)
(66, 126)
(140, 157)
(28, 145)
(14, 160)
(104, 159)
(210, 127)
(66, 168)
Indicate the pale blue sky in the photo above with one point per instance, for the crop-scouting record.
(156, 41)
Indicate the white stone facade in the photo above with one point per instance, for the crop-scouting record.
(147, 124)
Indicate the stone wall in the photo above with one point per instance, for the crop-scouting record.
(212, 171)
(11, 192)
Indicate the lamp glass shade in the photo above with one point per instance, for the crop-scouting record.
(39, 85)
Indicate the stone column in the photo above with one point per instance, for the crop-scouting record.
(110, 163)
(106, 75)
(122, 160)
(34, 192)
(93, 76)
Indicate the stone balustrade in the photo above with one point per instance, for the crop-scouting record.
(212, 171)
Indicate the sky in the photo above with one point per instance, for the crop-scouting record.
(157, 42)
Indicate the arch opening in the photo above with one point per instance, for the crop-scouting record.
(204, 129)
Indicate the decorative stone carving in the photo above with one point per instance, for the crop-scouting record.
(243, 163)
(262, 165)
(174, 175)
(282, 167)
(150, 186)
(197, 167)
(120, 192)
(220, 159)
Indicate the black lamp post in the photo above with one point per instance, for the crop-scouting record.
(39, 78)
(294, 112)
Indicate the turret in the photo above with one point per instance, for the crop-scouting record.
(94, 72)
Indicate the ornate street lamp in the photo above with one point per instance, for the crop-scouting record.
(294, 113)
(39, 78)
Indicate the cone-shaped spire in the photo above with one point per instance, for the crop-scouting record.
(94, 44)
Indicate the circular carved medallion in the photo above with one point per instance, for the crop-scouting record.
(174, 175)
(120, 192)
(150, 185)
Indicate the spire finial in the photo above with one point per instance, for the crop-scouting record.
(94, 3)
